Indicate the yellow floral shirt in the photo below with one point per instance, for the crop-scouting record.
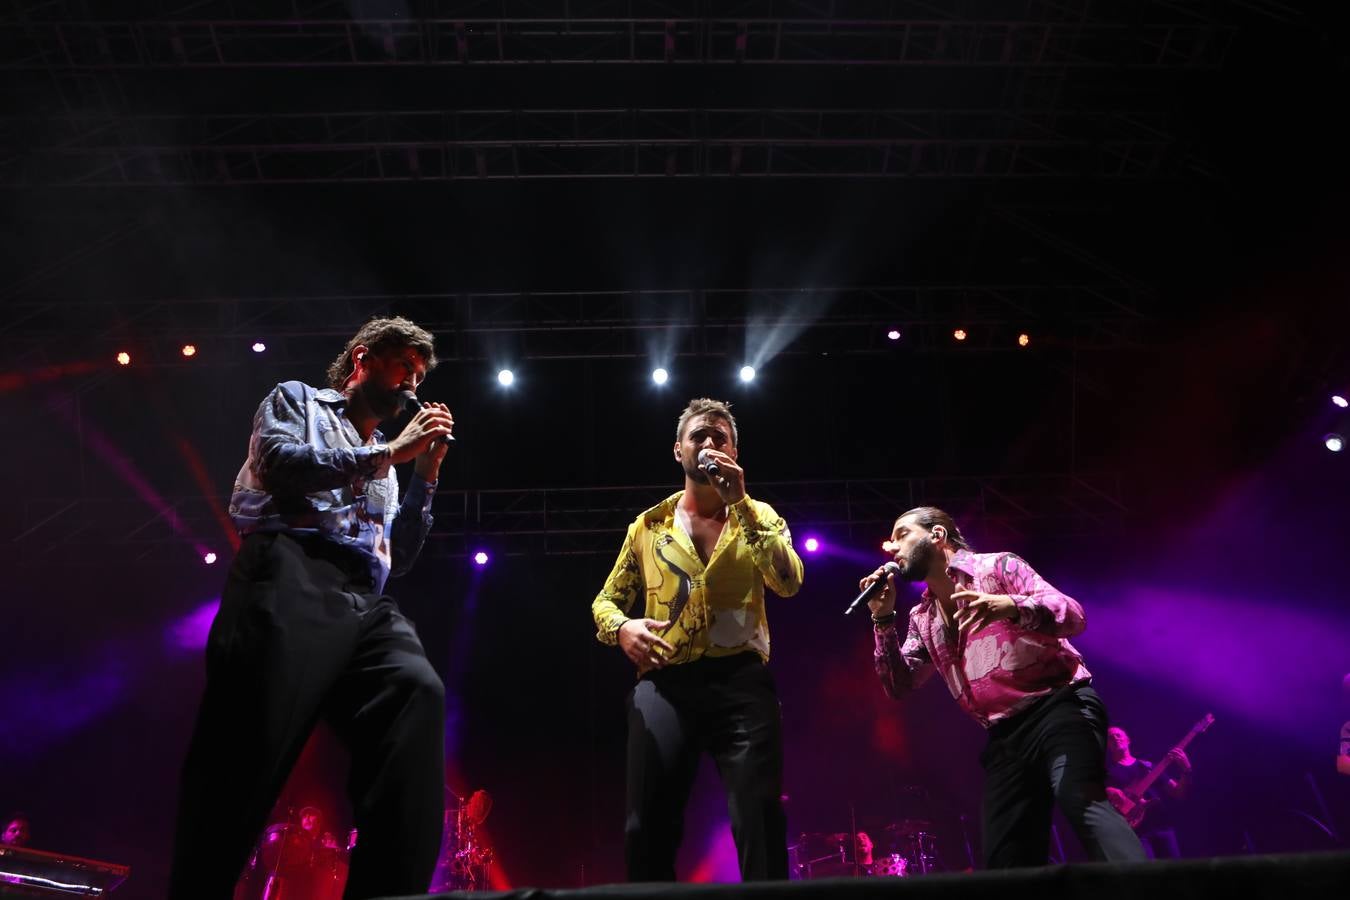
(715, 609)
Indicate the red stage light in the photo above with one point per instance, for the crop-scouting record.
(124, 358)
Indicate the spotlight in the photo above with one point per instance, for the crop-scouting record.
(124, 358)
(189, 350)
(893, 334)
(660, 376)
(1340, 401)
(506, 377)
(1335, 443)
(811, 545)
(259, 346)
(747, 373)
(480, 558)
(209, 558)
(1023, 339)
(959, 334)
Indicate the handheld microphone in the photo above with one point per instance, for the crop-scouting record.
(876, 587)
(708, 464)
(408, 400)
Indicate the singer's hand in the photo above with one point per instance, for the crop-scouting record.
(884, 603)
(642, 646)
(428, 464)
(729, 482)
(981, 609)
(422, 431)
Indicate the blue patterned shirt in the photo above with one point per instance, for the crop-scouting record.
(308, 472)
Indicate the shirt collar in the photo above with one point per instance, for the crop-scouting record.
(962, 561)
(338, 400)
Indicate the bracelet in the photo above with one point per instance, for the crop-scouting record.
(884, 620)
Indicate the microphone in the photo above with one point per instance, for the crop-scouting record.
(876, 587)
(408, 400)
(707, 463)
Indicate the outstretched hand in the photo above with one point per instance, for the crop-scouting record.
(981, 610)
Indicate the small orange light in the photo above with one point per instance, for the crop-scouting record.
(124, 358)
(959, 334)
(1023, 339)
(189, 349)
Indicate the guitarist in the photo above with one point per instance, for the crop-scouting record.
(1124, 769)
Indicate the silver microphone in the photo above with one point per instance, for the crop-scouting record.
(707, 463)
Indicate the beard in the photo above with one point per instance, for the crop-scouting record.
(919, 561)
(384, 403)
(693, 472)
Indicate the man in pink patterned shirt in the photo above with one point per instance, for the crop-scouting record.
(997, 633)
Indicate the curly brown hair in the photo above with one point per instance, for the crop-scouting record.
(705, 405)
(380, 335)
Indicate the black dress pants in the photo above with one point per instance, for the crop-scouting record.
(727, 707)
(1052, 754)
(301, 636)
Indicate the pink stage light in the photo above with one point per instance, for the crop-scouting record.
(893, 334)
(1340, 401)
(480, 558)
(811, 545)
(209, 558)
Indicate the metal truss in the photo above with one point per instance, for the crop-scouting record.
(602, 324)
(230, 34)
(111, 150)
(592, 520)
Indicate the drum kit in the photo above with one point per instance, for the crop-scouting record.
(465, 857)
(903, 848)
(295, 863)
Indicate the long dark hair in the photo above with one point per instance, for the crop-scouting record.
(928, 517)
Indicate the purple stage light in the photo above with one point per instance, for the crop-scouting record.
(259, 346)
(480, 558)
(1340, 401)
(893, 334)
(190, 632)
(811, 545)
(1334, 442)
(209, 558)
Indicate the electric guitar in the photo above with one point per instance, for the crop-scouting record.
(1130, 800)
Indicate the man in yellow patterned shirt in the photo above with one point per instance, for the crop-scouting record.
(685, 603)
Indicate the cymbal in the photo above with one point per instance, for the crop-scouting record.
(479, 805)
(909, 826)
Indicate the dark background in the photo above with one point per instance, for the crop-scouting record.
(1210, 579)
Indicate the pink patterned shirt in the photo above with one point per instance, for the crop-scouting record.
(1001, 669)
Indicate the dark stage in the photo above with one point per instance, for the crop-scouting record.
(1294, 875)
(1074, 271)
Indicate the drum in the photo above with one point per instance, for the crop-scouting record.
(893, 865)
(285, 850)
(329, 876)
(816, 853)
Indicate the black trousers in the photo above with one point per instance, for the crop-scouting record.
(300, 635)
(727, 707)
(1053, 754)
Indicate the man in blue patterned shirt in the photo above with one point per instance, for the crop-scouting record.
(305, 632)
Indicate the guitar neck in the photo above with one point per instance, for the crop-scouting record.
(1161, 766)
